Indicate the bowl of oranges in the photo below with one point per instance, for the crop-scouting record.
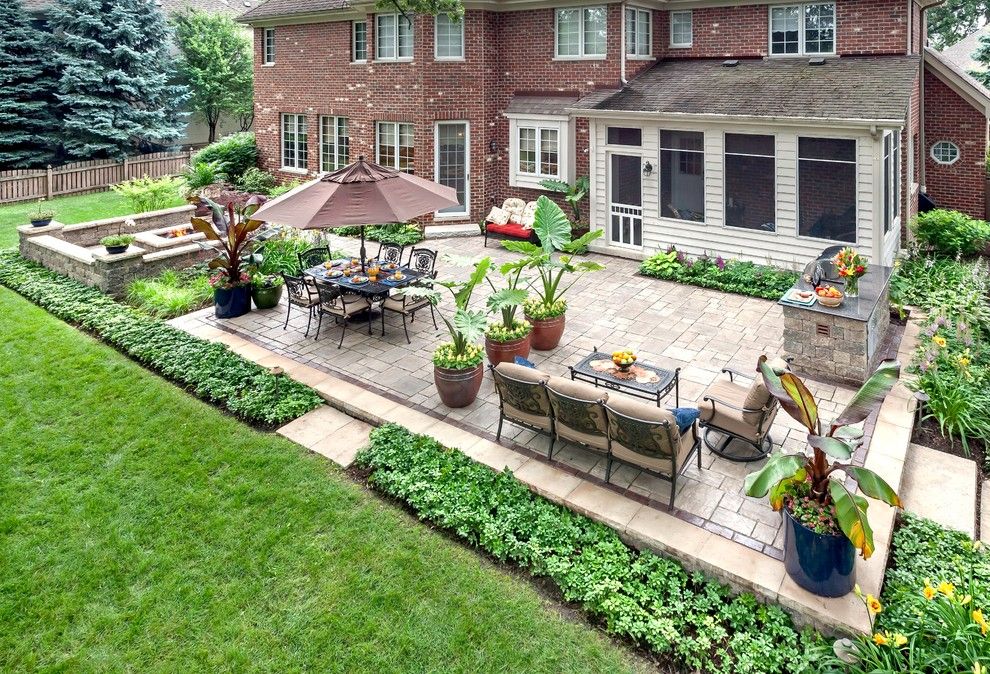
(829, 296)
(623, 360)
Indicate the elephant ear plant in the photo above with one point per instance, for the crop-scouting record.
(809, 483)
(234, 229)
(506, 301)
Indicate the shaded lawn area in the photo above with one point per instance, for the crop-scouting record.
(144, 531)
(68, 210)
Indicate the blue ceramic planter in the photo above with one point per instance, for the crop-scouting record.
(821, 564)
(232, 302)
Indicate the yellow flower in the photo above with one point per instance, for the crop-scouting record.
(899, 639)
(939, 339)
(879, 639)
(980, 620)
(948, 589)
(978, 668)
(873, 604)
(965, 600)
(929, 591)
(963, 361)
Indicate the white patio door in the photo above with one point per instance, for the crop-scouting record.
(453, 161)
(625, 187)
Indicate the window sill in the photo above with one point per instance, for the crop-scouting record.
(631, 57)
(681, 221)
(292, 169)
(362, 62)
(681, 46)
(528, 181)
(579, 58)
(268, 64)
(801, 56)
(403, 60)
(449, 59)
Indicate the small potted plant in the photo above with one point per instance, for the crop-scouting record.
(41, 216)
(824, 521)
(233, 230)
(510, 336)
(116, 243)
(851, 266)
(266, 290)
(551, 260)
(458, 365)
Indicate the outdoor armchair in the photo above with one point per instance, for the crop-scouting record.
(313, 256)
(741, 409)
(342, 307)
(646, 437)
(523, 399)
(390, 253)
(404, 305)
(303, 294)
(578, 415)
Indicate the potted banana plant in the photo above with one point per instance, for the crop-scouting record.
(825, 522)
(551, 260)
(510, 336)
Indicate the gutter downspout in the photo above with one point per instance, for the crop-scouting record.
(622, 45)
(922, 155)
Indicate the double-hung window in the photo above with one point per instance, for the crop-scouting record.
(681, 29)
(268, 46)
(449, 39)
(581, 32)
(294, 150)
(682, 175)
(393, 37)
(334, 143)
(802, 29)
(538, 151)
(750, 181)
(827, 188)
(639, 32)
(891, 178)
(359, 41)
(394, 147)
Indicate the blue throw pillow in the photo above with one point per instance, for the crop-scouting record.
(525, 363)
(685, 416)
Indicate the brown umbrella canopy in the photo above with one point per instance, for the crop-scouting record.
(362, 193)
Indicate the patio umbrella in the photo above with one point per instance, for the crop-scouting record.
(360, 194)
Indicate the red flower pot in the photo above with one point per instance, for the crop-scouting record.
(506, 352)
(458, 388)
(546, 332)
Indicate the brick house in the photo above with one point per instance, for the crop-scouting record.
(756, 130)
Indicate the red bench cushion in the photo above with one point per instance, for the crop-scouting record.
(509, 229)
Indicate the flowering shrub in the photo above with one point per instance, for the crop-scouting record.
(221, 280)
(950, 233)
(536, 309)
(734, 276)
(497, 332)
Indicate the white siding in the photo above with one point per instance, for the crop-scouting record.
(783, 247)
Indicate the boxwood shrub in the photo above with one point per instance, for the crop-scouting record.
(681, 617)
(734, 276)
(210, 371)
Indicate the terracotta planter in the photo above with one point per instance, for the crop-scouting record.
(458, 388)
(546, 332)
(506, 352)
(822, 564)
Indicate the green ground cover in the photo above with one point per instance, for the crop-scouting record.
(68, 210)
(145, 531)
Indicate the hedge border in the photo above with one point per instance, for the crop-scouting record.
(208, 370)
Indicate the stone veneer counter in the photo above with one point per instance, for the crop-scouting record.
(840, 344)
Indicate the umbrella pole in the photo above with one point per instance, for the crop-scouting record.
(363, 254)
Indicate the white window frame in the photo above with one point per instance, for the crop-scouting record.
(776, 181)
(797, 185)
(935, 156)
(638, 13)
(354, 51)
(466, 210)
(690, 42)
(398, 144)
(335, 122)
(559, 123)
(297, 145)
(399, 18)
(436, 41)
(802, 29)
(268, 47)
(704, 171)
(581, 55)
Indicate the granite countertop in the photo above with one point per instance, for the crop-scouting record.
(871, 289)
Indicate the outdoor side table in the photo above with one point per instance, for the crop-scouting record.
(667, 380)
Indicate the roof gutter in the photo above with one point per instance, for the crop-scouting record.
(870, 125)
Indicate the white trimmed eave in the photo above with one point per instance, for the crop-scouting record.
(970, 92)
(872, 125)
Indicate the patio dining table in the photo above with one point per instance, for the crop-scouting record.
(373, 291)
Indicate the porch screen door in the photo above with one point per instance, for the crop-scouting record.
(452, 163)
(625, 200)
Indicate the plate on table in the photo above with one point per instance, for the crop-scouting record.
(798, 296)
(391, 266)
(336, 273)
(358, 280)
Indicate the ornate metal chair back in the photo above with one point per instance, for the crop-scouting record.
(313, 256)
(390, 253)
(423, 261)
(300, 288)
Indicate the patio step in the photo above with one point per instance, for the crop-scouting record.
(946, 495)
(451, 231)
(329, 433)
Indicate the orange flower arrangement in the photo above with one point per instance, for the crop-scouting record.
(851, 266)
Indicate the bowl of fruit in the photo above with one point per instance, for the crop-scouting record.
(623, 360)
(829, 296)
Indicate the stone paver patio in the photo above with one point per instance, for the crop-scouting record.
(667, 324)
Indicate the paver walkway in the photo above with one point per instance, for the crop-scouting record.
(946, 494)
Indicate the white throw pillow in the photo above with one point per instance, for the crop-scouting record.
(497, 216)
(528, 215)
(515, 208)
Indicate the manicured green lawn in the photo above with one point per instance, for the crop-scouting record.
(68, 210)
(141, 530)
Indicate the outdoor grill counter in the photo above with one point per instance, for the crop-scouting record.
(840, 344)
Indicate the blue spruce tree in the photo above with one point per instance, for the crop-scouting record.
(116, 85)
(27, 88)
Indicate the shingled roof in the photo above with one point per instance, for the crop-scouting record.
(272, 9)
(849, 88)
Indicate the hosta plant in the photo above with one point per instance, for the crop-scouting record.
(815, 479)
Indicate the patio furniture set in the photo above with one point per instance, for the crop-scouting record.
(344, 289)
(658, 441)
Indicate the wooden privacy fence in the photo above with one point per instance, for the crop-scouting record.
(87, 176)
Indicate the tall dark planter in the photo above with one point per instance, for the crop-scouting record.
(822, 564)
(232, 302)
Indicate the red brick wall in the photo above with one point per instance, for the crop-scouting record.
(948, 116)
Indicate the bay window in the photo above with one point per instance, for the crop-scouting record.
(581, 32)
(394, 146)
(334, 143)
(827, 188)
(802, 29)
(393, 37)
(750, 181)
(294, 151)
(682, 175)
